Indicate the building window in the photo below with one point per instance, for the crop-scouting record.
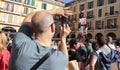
(6, 6)
(89, 25)
(17, 0)
(99, 24)
(15, 19)
(5, 17)
(44, 6)
(30, 2)
(33, 3)
(100, 2)
(100, 13)
(74, 9)
(112, 10)
(90, 14)
(111, 1)
(25, 10)
(27, 2)
(90, 5)
(16, 8)
(111, 23)
(74, 17)
(10, 17)
(12, 7)
(81, 7)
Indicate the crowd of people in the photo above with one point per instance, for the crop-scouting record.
(26, 51)
(98, 55)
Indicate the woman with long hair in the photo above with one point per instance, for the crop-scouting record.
(4, 53)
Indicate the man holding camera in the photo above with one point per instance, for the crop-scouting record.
(27, 51)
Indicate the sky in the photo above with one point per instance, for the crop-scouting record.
(67, 1)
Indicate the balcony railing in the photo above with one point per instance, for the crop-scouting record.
(115, 13)
(89, 17)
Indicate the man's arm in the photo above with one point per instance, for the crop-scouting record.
(93, 60)
(65, 31)
(27, 30)
(59, 11)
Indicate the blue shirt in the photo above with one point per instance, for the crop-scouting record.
(83, 53)
(27, 52)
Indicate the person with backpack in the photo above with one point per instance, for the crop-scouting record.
(102, 58)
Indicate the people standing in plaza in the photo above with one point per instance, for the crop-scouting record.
(83, 53)
(117, 43)
(4, 53)
(103, 57)
(27, 52)
(73, 54)
(74, 57)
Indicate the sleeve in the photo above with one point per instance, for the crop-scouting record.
(77, 57)
(94, 55)
(83, 55)
(26, 30)
(24, 35)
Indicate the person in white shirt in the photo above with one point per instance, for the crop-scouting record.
(109, 42)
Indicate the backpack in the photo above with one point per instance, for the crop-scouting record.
(106, 60)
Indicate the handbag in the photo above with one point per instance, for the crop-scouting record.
(48, 54)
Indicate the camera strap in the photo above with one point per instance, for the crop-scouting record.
(48, 54)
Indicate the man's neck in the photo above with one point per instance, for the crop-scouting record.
(44, 40)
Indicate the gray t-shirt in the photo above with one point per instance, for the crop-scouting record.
(27, 52)
(106, 50)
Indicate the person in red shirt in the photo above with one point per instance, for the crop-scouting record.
(4, 53)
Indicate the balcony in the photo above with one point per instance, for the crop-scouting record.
(106, 14)
(115, 13)
(110, 27)
(54, 2)
(90, 16)
(9, 1)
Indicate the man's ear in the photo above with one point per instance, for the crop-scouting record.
(53, 27)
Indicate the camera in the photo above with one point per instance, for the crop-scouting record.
(63, 20)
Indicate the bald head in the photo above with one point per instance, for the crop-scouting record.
(41, 21)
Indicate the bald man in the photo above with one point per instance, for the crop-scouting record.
(27, 51)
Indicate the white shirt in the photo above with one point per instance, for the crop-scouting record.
(112, 46)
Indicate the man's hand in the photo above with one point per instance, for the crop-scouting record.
(65, 31)
(61, 11)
